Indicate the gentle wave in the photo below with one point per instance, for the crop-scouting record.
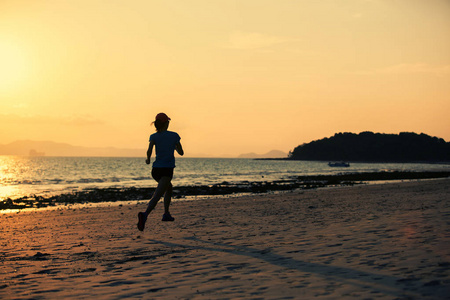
(98, 195)
(21, 176)
(64, 182)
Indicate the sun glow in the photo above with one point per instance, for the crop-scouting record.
(235, 76)
(13, 66)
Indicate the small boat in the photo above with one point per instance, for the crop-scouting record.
(339, 164)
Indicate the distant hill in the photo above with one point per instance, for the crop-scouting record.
(47, 148)
(270, 154)
(375, 147)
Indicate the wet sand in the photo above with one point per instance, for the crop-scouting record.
(385, 241)
(112, 194)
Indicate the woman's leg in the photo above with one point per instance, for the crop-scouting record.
(168, 198)
(161, 189)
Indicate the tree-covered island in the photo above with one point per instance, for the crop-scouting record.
(375, 147)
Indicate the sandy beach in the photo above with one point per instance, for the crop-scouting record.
(384, 241)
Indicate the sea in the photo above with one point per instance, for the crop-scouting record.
(22, 176)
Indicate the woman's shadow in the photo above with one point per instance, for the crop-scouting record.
(386, 284)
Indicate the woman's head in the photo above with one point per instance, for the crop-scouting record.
(161, 122)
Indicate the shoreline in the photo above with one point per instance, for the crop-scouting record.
(236, 196)
(388, 241)
(363, 161)
(100, 195)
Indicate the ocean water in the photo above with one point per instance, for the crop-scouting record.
(23, 176)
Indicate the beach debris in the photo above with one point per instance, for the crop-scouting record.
(40, 256)
(98, 195)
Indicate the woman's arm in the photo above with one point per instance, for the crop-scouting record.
(149, 152)
(179, 149)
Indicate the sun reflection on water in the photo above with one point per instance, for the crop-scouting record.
(14, 172)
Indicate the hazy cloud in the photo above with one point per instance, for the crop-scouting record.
(20, 105)
(418, 68)
(85, 120)
(254, 40)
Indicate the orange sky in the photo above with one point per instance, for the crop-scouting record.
(234, 76)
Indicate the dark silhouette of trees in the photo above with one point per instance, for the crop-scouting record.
(375, 147)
